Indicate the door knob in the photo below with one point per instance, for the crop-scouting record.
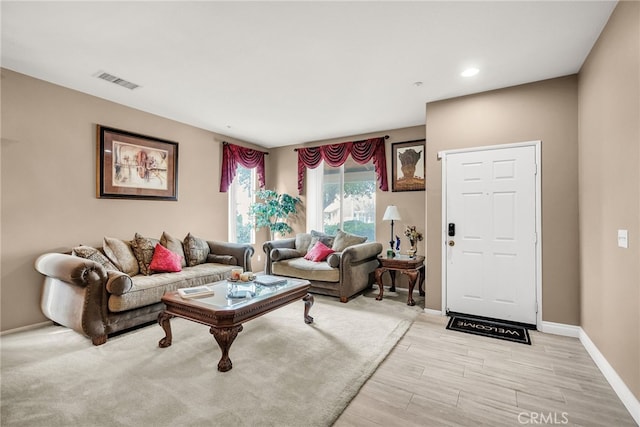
(452, 243)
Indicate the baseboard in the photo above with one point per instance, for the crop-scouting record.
(432, 311)
(560, 329)
(628, 399)
(26, 328)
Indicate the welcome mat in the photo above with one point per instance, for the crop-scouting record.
(489, 328)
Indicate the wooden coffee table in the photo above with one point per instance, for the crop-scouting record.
(225, 315)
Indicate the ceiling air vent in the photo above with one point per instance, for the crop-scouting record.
(117, 80)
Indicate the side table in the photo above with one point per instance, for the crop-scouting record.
(412, 267)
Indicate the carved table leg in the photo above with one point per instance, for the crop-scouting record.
(413, 276)
(225, 337)
(393, 280)
(379, 272)
(308, 303)
(163, 320)
(421, 285)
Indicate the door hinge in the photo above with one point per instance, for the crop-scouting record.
(536, 307)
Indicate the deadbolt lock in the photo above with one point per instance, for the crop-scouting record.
(452, 243)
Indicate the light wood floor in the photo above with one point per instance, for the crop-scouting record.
(437, 377)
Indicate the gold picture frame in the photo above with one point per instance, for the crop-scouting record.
(134, 166)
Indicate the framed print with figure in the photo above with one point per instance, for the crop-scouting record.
(133, 166)
(408, 166)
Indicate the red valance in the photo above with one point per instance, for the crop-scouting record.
(336, 155)
(234, 155)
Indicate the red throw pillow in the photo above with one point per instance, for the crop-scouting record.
(319, 252)
(165, 261)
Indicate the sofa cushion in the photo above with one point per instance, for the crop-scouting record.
(343, 240)
(147, 290)
(334, 259)
(305, 269)
(317, 236)
(278, 254)
(302, 242)
(121, 255)
(223, 259)
(93, 254)
(143, 248)
(174, 245)
(165, 261)
(319, 252)
(118, 282)
(196, 250)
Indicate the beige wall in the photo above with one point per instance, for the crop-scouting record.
(609, 153)
(545, 111)
(48, 184)
(410, 204)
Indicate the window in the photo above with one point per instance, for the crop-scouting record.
(342, 198)
(241, 195)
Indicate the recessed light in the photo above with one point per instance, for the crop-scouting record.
(469, 72)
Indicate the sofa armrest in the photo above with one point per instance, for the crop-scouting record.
(241, 251)
(71, 269)
(360, 252)
(74, 294)
(270, 245)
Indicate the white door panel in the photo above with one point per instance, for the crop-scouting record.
(491, 199)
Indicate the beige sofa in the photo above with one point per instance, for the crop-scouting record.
(100, 291)
(345, 273)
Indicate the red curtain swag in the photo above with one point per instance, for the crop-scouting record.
(234, 155)
(336, 154)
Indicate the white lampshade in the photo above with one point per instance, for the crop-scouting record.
(391, 214)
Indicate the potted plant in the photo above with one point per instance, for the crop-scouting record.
(273, 210)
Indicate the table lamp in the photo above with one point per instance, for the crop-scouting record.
(391, 214)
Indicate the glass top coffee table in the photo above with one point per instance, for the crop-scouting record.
(231, 305)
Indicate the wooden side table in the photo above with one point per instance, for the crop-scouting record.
(413, 268)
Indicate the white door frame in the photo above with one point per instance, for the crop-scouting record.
(442, 155)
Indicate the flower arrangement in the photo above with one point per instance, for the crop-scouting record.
(413, 234)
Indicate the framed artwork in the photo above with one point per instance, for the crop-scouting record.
(132, 166)
(408, 166)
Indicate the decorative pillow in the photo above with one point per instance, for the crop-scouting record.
(317, 236)
(143, 248)
(302, 242)
(344, 240)
(165, 261)
(279, 254)
(319, 252)
(222, 259)
(118, 282)
(121, 255)
(196, 250)
(93, 254)
(334, 259)
(174, 245)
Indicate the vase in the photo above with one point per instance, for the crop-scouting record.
(413, 249)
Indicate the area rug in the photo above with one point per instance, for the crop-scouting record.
(285, 372)
(489, 328)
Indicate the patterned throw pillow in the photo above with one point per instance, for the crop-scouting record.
(344, 240)
(196, 250)
(121, 255)
(143, 248)
(93, 254)
(317, 236)
(174, 245)
(165, 261)
(319, 252)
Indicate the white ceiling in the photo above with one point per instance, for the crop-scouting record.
(281, 73)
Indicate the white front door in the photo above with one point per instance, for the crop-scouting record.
(490, 233)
